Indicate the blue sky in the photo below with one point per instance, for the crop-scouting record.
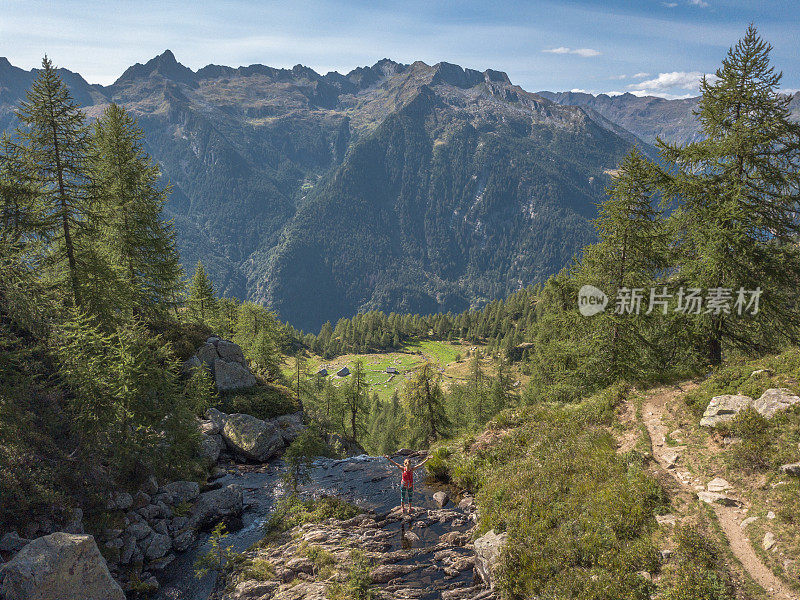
(658, 47)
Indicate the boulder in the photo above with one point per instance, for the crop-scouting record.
(188, 366)
(210, 447)
(718, 498)
(253, 590)
(232, 376)
(156, 546)
(488, 549)
(230, 352)
(769, 541)
(441, 498)
(11, 542)
(774, 401)
(207, 355)
(120, 501)
(184, 539)
(722, 409)
(291, 426)
(217, 419)
(791, 469)
(252, 438)
(140, 530)
(215, 505)
(209, 427)
(60, 565)
(179, 491)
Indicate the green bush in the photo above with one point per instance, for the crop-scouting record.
(697, 571)
(264, 401)
(753, 453)
(357, 584)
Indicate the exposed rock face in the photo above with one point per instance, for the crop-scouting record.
(488, 549)
(215, 505)
(60, 565)
(226, 363)
(722, 409)
(210, 447)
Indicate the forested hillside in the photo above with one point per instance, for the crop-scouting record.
(395, 187)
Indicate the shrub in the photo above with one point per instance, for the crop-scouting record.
(357, 584)
(293, 510)
(697, 571)
(753, 453)
(265, 401)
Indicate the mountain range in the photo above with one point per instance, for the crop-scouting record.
(412, 188)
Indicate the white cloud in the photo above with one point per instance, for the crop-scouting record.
(700, 3)
(584, 52)
(670, 4)
(640, 75)
(685, 80)
(579, 91)
(619, 77)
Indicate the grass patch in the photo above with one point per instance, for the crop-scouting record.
(293, 510)
(357, 583)
(258, 569)
(579, 516)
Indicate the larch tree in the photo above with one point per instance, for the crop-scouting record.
(54, 143)
(424, 400)
(140, 241)
(738, 192)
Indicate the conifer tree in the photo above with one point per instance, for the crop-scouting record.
(424, 401)
(738, 192)
(356, 399)
(54, 144)
(629, 256)
(140, 241)
(202, 302)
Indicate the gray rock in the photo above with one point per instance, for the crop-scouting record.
(252, 438)
(128, 549)
(140, 530)
(179, 491)
(747, 521)
(775, 400)
(232, 376)
(253, 590)
(161, 527)
(156, 546)
(120, 501)
(11, 542)
(488, 549)
(150, 486)
(207, 355)
(291, 426)
(188, 366)
(791, 469)
(441, 498)
(722, 409)
(184, 539)
(467, 502)
(718, 484)
(769, 541)
(209, 427)
(61, 565)
(140, 500)
(76, 522)
(215, 505)
(717, 498)
(230, 352)
(217, 418)
(385, 573)
(210, 447)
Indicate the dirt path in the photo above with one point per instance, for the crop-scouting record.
(653, 410)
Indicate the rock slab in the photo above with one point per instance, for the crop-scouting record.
(60, 565)
(488, 549)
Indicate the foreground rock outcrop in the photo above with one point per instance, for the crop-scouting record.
(248, 437)
(723, 409)
(226, 363)
(59, 566)
(488, 549)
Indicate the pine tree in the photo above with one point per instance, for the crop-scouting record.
(424, 400)
(54, 143)
(141, 243)
(202, 302)
(738, 195)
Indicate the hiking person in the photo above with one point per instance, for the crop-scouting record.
(407, 481)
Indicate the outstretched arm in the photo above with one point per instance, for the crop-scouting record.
(386, 456)
(427, 458)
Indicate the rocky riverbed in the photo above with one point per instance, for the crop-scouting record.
(425, 555)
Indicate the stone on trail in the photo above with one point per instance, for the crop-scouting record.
(441, 498)
(718, 498)
(718, 484)
(769, 541)
(724, 408)
(60, 565)
(747, 521)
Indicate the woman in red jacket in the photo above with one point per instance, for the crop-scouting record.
(407, 481)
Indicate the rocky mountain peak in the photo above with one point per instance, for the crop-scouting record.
(164, 65)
